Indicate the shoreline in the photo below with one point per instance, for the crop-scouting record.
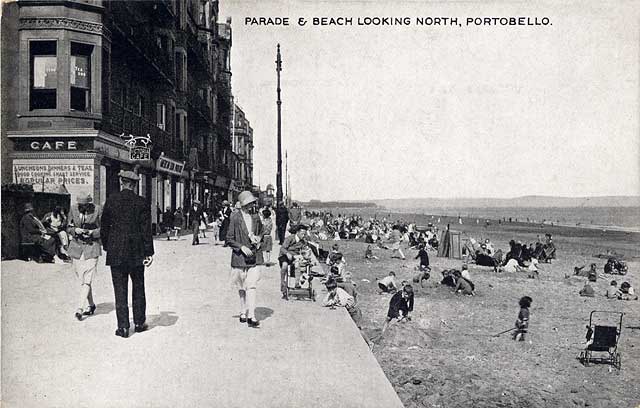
(414, 212)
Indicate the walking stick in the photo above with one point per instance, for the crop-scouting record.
(503, 332)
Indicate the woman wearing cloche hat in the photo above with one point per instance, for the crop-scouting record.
(244, 236)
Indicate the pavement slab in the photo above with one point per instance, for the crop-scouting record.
(195, 354)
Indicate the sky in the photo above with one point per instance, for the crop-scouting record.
(371, 112)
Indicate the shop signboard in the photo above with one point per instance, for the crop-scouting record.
(169, 166)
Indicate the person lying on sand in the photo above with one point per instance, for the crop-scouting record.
(522, 323)
(400, 305)
(591, 273)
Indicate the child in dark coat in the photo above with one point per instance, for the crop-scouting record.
(400, 305)
(522, 324)
(424, 258)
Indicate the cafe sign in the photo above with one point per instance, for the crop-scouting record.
(52, 145)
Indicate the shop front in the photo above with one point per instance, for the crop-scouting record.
(169, 185)
(83, 161)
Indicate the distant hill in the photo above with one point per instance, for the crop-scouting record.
(526, 201)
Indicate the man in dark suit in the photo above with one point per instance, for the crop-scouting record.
(225, 214)
(33, 231)
(126, 236)
(195, 217)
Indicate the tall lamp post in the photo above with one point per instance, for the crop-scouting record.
(279, 202)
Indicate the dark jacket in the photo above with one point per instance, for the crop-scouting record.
(126, 229)
(31, 229)
(398, 303)
(195, 216)
(282, 217)
(238, 236)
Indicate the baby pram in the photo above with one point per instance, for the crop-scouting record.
(300, 279)
(602, 339)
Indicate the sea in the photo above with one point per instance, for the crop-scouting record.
(627, 218)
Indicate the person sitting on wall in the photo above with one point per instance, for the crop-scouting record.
(32, 231)
(55, 223)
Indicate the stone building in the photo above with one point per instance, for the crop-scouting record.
(93, 87)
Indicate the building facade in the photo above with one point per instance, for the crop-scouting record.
(94, 87)
(242, 147)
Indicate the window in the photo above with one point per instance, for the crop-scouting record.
(161, 113)
(177, 125)
(140, 106)
(106, 79)
(184, 126)
(179, 70)
(124, 95)
(44, 75)
(80, 73)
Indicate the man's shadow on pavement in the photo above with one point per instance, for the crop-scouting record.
(163, 319)
(105, 308)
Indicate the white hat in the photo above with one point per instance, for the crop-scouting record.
(245, 198)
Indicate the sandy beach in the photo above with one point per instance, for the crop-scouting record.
(447, 357)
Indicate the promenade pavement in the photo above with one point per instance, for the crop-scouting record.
(196, 353)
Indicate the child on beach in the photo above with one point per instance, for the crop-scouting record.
(368, 254)
(396, 239)
(400, 305)
(424, 258)
(612, 291)
(522, 323)
(627, 292)
(338, 297)
(463, 286)
(587, 291)
(388, 283)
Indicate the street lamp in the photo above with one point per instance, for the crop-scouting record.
(279, 103)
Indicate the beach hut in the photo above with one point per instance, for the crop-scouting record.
(450, 246)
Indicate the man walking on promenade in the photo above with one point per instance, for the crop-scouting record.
(225, 215)
(244, 237)
(195, 217)
(84, 227)
(126, 236)
(282, 218)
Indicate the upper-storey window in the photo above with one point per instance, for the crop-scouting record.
(44, 75)
(80, 76)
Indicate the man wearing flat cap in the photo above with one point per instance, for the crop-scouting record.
(244, 236)
(196, 216)
(126, 236)
(85, 249)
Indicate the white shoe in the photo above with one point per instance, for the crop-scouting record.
(58, 261)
